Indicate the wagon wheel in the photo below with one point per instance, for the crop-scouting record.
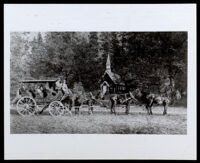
(26, 106)
(56, 108)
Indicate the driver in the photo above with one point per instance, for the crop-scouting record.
(66, 91)
(58, 84)
(65, 87)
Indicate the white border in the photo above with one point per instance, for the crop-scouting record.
(134, 17)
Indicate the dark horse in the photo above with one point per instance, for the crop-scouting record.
(148, 99)
(77, 100)
(121, 100)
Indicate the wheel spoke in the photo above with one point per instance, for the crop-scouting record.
(27, 112)
(32, 105)
(31, 109)
(54, 112)
(23, 111)
(20, 108)
(20, 102)
(29, 102)
(21, 105)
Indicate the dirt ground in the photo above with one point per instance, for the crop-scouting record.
(102, 122)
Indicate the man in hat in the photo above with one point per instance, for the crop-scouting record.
(21, 90)
(58, 84)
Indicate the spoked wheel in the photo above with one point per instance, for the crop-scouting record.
(56, 108)
(26, 106)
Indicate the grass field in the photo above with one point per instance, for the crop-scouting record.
(102, 122)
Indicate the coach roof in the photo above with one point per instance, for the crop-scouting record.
(37, 81)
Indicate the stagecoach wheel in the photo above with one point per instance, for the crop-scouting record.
(26, 106)
(56, 108)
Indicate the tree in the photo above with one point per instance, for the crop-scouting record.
(149, 59)
(19, 49)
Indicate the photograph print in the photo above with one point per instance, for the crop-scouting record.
(98, 82)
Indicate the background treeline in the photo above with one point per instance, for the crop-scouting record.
(152, 60)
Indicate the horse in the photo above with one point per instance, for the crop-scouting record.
(68, 100)
(118, 99)
(77, 100)
(150, 98)
(88, 99)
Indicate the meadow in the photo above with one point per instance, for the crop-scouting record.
(102, 122)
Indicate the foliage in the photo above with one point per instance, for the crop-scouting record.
(147, 59)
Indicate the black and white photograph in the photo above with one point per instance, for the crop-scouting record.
(100, 81)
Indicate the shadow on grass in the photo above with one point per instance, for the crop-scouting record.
(137, 130)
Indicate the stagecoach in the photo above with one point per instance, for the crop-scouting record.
(28, 105)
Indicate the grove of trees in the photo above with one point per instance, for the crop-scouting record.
(144, 58)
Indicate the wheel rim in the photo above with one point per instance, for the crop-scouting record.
(26, 106)
(56, 108)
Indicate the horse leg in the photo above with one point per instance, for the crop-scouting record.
(76, 110)
(150, 108)
(92, 109)
(126, 111)
(89, 110)
(90, 104)
(111, 111)
(127, 108)
(70, 108)
(111, 108)
(148, 111)
(165, 110)
(114, 108)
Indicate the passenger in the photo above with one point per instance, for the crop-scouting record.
(21, 90)
(51, 90)
(31, 91)
(39, 91)
(65, 87)
(47, 86)
(65, 90)
(44, 91)
(58, 84)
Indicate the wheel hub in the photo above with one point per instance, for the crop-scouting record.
(26, 106)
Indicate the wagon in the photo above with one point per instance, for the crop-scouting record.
(28, 105)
